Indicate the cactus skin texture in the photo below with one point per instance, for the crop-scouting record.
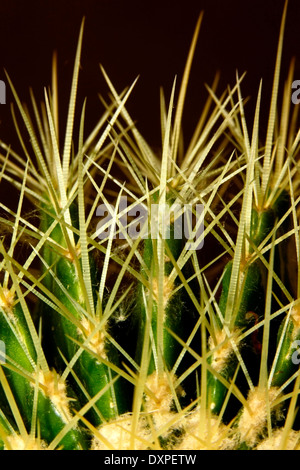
(51, 416)
(250, 307)
(252, 298)
(94, 374)
(141, 344)
(178, 313)
(287, 362)
(174, 319)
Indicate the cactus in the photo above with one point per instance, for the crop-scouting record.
(172, 322)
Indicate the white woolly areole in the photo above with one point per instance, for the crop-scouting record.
(275, 441)
(160, 397)
(97, 342)
(118, 435)
(55, 389)
(159, 400)
(222, 347)
(253, 420)
(295, 314)
(168, 289)
(16, 442)
(6, 299)
(212, 435)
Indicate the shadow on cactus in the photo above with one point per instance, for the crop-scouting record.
(159, 313)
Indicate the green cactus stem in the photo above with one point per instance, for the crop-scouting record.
(79, 327)
(31, 385)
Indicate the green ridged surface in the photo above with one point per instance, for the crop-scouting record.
(20, 349)
(93, 374)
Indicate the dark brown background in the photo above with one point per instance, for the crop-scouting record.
(145, 38)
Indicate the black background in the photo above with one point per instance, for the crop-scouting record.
(149, 39)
